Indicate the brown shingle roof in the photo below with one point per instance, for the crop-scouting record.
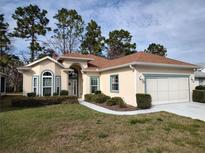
(100, 62)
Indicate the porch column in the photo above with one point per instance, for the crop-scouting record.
(64, 80)
(86, 85)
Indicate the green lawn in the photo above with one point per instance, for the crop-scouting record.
(74, 128)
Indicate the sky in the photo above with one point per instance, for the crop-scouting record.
(179, 25)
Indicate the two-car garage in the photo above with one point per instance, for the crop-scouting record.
(167, 88)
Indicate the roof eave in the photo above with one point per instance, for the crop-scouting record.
(44, 58)
(75, 58)
(148, 64)
(165, 65)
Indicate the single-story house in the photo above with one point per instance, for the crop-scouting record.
(167, 80)
(2, 83)
(200, 76)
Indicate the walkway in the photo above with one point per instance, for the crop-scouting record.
(188, 109)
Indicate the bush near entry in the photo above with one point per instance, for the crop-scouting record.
(198, 96)
(144, 101)
(116, 101)
(200, 87)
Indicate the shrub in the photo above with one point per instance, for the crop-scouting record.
(55, 94)
(100, 98)
(88, 97)
(144, 101)
(63, 92)
(200, 87)
(116, 101)
(198, 96)
(41, 101)
(32, 94)
(98, 92)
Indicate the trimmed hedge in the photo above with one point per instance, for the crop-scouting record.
(144, 101)
(55, 94)
(100, 98)
(198, 96)
(32, 94)
(200, 87)
(63, 92)
(41, 101)
(116, 101)
(98, 92)
(88, 97)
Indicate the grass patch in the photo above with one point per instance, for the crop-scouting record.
(102, 135)
(75, 128)
(139, 121)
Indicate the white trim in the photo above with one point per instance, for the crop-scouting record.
(165, 65)
(98, 82)
(44, 58)
(141, 64)
(58, 77)
(52, 81)
(76, 58)
(37, 84)
(161, 73)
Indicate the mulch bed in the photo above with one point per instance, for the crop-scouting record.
(117, 107)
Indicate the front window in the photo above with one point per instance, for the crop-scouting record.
(94, 84)
(114, 83)
(35, 85)
(47, 84)
(58, 84)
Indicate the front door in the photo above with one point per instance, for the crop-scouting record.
(73, 87)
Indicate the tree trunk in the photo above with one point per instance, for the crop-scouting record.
(32, 49)
(64, 41)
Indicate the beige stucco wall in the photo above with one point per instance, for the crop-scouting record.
(37, 70)
(47, 64)
(127, 85)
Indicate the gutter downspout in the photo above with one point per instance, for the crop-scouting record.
(132, 68)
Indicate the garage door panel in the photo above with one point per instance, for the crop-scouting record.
(183, 84)
(162, 84)
(173, 84)
(154, 96)
(173, 95)
(169, 89)
(163, 96)
(183, 94)
(151, 85)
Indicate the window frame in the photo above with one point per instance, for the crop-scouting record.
(52, 81)
(56, 78)
(37, 84)
(98, 83)
(111, 84)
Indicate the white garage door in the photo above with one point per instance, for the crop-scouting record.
(168, 90)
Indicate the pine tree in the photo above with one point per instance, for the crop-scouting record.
(119, 43)
(156, 49)
(31, 22)
(93, 42)
(68, 33)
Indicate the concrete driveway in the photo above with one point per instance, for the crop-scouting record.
(188, 109)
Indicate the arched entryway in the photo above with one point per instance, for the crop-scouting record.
(75, 85)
